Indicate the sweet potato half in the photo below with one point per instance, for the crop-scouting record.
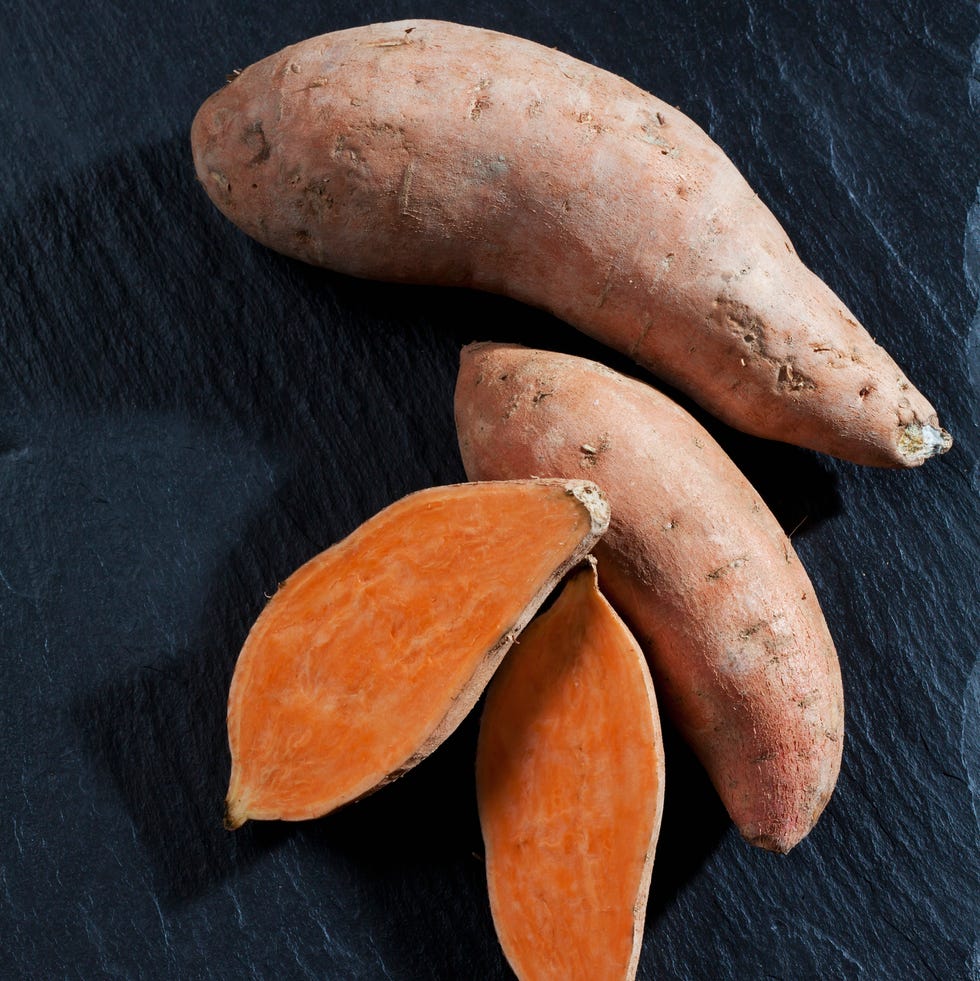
(570, 784)
(696, 564)
(425, 151)
(372, 653)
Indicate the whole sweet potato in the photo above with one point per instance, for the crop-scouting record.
(693, 560)
(425, 151)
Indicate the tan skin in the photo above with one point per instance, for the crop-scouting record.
(424, 151)
(693, 561)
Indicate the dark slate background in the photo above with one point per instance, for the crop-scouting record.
(185, 417)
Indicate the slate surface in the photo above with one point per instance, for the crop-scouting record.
(185, 417)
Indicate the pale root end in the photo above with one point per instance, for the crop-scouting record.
(771, 843)
(594, 501)
(917, 442)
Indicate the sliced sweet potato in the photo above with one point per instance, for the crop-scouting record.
(570, 780)
(373, 652)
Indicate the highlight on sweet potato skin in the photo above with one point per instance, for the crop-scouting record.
(570, 784)
(425, 151)
(696, 564)
(373, 652)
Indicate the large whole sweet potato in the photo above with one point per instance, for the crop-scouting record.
(693, 560)
(424, 151)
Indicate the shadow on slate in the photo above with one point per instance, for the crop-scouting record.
(287, 352)
(160, 733)
(693, 825)
(417, 842)
(255, 324)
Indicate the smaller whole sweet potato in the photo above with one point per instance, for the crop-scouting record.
(693, 560)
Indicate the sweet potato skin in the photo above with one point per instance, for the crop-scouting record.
(570, 784)
(424, 151)
(693, 560)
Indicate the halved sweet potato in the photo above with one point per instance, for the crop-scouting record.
(570, 778)
(373, 652)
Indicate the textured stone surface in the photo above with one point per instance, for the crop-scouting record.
(185, 418)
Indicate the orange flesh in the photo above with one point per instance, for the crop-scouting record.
(570, 777)
(364, 660)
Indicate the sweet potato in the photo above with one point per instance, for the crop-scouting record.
(424, 151)
(570, 783)
(371, 654)
(693, 560)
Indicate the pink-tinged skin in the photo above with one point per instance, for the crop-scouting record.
(429, 152)
(693, 560)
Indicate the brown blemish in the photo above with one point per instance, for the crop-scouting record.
(640, 338)
(480, 103)
(317, 197)
(253, 137)
(606, 286)
(789, 377)
(405, 190)
(725, 569)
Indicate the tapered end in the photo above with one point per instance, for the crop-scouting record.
(918, 443)
(234, 815)
(771, 843)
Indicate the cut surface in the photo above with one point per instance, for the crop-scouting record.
(374, 651)
(570, 777)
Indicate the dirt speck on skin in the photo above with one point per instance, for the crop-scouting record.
(723, 570)
(592, 451)
(796, 381)
(220, 180)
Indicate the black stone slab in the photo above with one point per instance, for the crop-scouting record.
(185, 417)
